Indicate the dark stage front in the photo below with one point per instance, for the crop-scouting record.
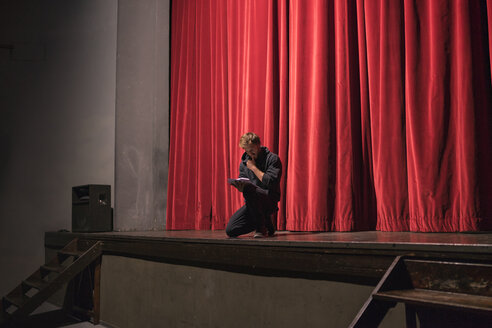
(355, 257)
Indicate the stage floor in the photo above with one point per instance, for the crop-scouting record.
(360, 257)
(364, 239)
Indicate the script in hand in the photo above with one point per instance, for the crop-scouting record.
(234, 182)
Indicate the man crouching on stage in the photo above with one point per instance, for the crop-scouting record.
(262, 192)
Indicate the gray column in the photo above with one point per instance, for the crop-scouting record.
(142, 115)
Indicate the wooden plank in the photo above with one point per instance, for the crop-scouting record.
(83, 245)
(261, 260)
(372, 312)
(71, 253)
(37, 279)
(16, 296)
(25, 304)
(444, 242)
(422, 297)
(96, 311)
(456, 277)
(61, 279)
(280, 256)
(71, 245)
(17, 300)
(52, 268)
(37, 283)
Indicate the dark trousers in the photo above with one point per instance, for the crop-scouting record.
(255, 215)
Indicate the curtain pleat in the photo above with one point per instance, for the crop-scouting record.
(380, 110)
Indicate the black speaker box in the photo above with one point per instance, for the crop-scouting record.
(91, 208)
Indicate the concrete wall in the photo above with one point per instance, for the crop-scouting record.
(142, 115)
(139, 293)
(57, 119)
(80, 80)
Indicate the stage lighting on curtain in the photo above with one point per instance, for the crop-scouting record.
(381, 111)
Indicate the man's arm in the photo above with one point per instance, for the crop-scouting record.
(273, 172)
(251, 164)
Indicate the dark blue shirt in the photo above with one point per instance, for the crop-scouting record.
(270, 164)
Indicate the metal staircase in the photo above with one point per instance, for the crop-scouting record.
(66, 267)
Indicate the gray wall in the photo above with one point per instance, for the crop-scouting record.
(57, 120)
(142, 115)
(84, 99)
(139, 293)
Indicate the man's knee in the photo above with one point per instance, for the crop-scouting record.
(230, 231)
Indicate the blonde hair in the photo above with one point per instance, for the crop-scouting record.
(248, 139)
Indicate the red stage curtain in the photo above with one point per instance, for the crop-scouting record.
(381, 111)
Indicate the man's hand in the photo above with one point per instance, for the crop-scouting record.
(240, 185)
(251, 164)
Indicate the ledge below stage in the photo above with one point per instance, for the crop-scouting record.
(353, 257)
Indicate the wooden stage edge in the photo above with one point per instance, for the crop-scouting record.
(353, 257)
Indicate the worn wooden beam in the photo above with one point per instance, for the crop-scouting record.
(451, 276)
(457, 301)
(347, 262)
(97, 292)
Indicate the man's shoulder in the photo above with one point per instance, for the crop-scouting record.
(271, 156)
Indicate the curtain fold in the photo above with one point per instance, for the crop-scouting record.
(381, 111)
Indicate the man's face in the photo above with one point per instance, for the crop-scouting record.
(252, 150)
